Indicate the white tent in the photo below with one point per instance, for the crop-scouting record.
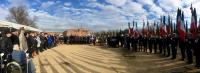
(17, 26)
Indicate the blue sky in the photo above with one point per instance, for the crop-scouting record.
(97, 15)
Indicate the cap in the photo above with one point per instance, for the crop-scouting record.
(6, 31)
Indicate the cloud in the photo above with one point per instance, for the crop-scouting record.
(117, 2)
(170, 5)
(108, 15)
(17, 2)
(47, 4)
(67, 4)
(3, 13)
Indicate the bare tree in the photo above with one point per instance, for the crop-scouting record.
(20, 15)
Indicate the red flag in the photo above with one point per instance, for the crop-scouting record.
(181, 29)
(163, 31)
(193, 27)
(130, 31)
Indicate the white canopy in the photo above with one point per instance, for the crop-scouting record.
(17, 26)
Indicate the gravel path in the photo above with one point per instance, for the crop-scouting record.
(95, 59)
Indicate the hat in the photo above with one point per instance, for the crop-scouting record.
(6, 31)
(13, 30)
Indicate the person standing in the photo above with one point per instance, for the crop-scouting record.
(150, 43)
(189, 47)
(197, 51)
(174, 43)
(168, 45)
(38, 43)
(182, 48)
(32, 44)
(155, 39)
(145, 43)
(6, 45)
(160, 45)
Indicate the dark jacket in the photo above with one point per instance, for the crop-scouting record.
(6, 45)
(32, 43)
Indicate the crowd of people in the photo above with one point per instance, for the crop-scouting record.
(79, 39)
(20, 42)
(166, 46)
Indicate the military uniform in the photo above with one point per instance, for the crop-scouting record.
(145, 43)
(189, 46)
(160, 45)
(150, 43)
(182, 48)
(164, 42)
(155, 44)
(140, 43)
(168, 40)
(196, 52)
(174, 43)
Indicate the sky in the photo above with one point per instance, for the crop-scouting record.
(97, 15)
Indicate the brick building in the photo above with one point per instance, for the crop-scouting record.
(76, 32)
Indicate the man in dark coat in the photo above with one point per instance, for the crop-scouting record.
(189, 47)
(197, 51)
(174, 43)
(6, 44)
(32, 44)
(168, 40)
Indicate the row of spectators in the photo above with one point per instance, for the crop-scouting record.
(18, 43)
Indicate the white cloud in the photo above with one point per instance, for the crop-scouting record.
(170, 5)
(3, 13)
(91, 0)
(67, 4)
(47, 4)
(17, 2)
(117, 2)
(101, 16)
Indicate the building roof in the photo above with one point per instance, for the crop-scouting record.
(17, 26)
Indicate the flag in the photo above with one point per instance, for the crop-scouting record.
(154, 28)
(129, 29)
(186, 26)
(143, 28)
(193, 25)
(157, 29)
(147, 28)
(180, 24)
(133, 32)
(199, 26)
(163, 31)
(136, 30)
(169, 26)
(171, 23)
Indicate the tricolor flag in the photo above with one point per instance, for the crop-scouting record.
(163, 30)
(130, 30)
(180, 24)
(199, 26)
(193, 26)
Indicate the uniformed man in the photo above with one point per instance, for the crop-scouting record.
(182, 48)
(145, 43)
(189, 46)
(168, 45)
(197, 51)
(140, 42)
(133, 44)
(150, 43)
(160, 45)
(155, 39)
(164, 42)
(127, 39)
(174, 43)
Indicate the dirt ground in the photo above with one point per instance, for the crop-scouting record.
(96, 59)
